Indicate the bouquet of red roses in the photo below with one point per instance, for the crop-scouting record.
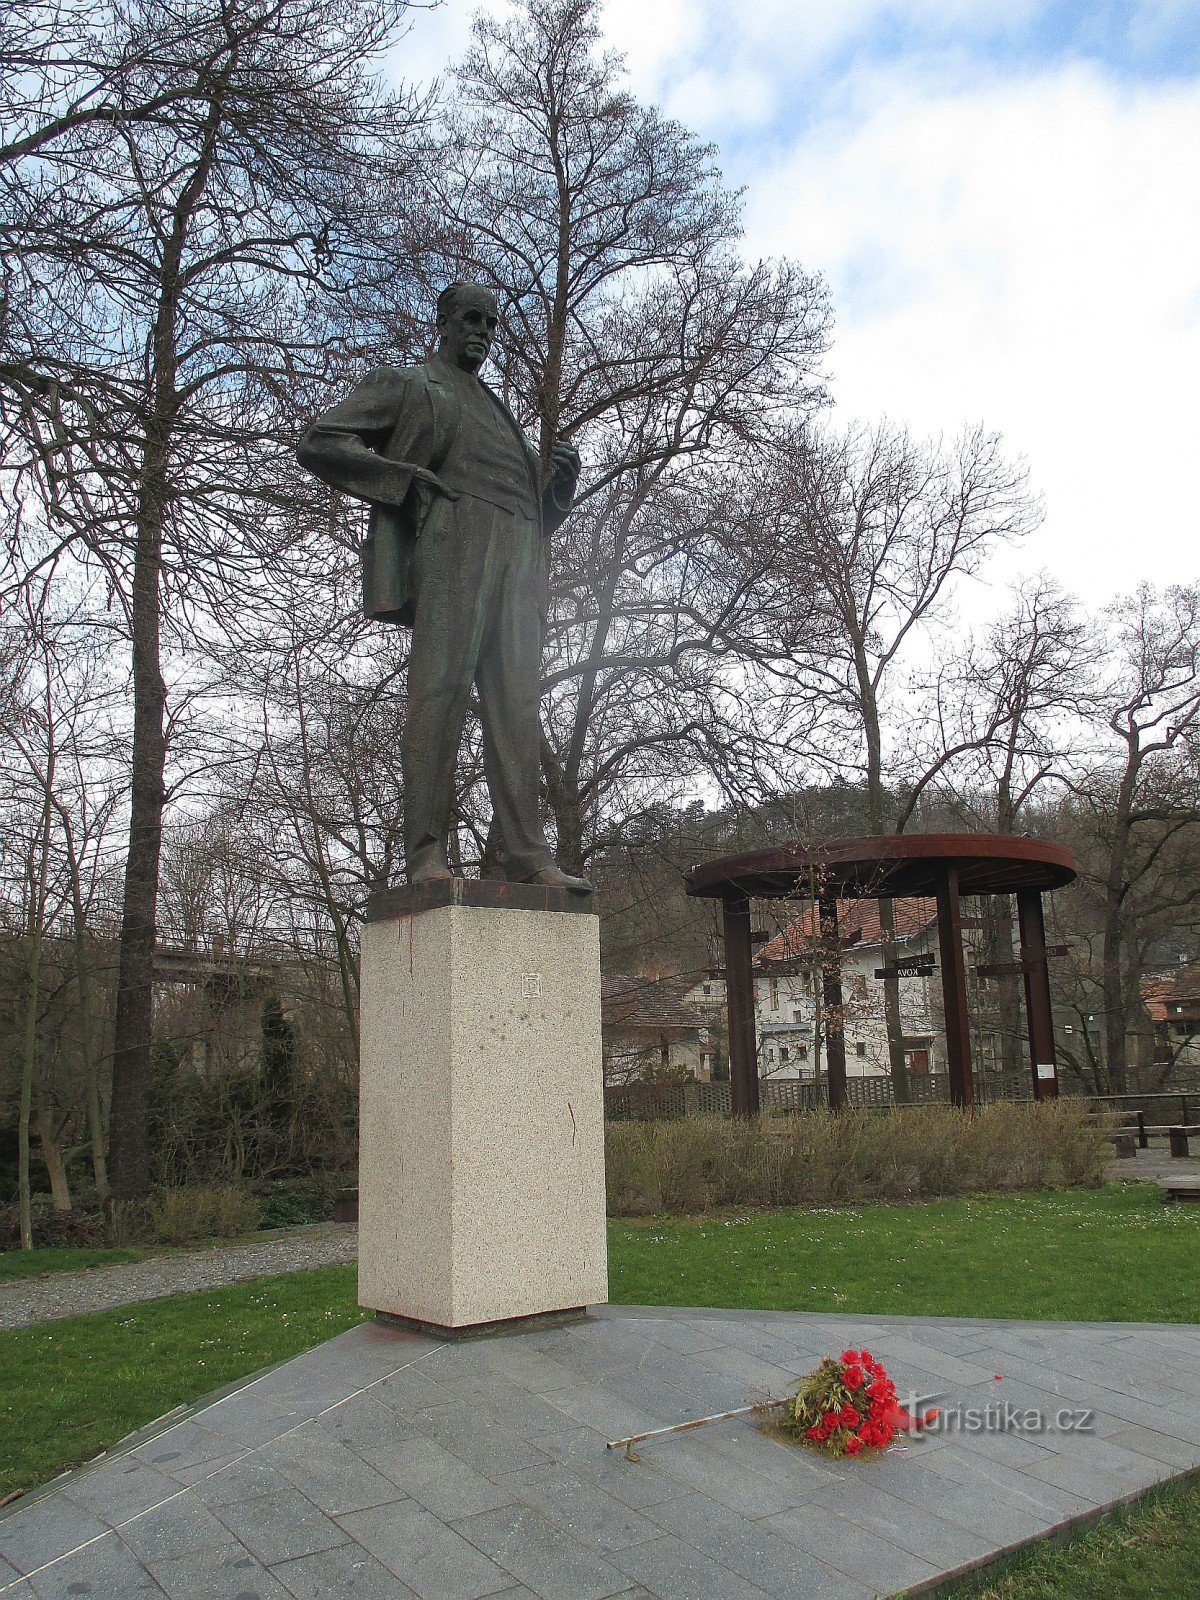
(849, 1405)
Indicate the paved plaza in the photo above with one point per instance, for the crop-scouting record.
(386, 1464)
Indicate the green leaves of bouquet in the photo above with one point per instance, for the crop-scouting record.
(848, 1406)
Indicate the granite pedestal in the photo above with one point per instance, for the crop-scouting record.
(481, 1166)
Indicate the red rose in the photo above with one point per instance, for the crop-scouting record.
(849, 1358)
(849, 1417)
(814, 1433)
(853, 1445)
(867, 1359)
(852, 1377)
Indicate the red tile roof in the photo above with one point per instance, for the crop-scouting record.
(633, 1000)
(1163, 992)
(858, 924)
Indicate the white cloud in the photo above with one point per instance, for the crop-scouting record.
(1018, 250)
(1027, 255)
(726, 66)
(438, 35)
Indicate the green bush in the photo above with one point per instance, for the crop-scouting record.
(178, 1216)
(698, 1163)
(291, 1202)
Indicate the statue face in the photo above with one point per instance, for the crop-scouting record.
(468, 330)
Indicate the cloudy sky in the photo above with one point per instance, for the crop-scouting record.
(1005, 200)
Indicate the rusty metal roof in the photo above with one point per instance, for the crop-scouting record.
(888, 867)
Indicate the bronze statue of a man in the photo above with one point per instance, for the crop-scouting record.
(456, 549)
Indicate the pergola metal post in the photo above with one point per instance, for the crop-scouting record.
(954, 989)
(739, 992)
(1042, 1060)
(833, 1015)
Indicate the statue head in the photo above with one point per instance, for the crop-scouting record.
(467, 318)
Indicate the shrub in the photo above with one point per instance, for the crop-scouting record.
(698, 1163)
(178, 1216)
(82, 1228)
(291, 1202)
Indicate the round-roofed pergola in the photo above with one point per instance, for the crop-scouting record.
(944, 867)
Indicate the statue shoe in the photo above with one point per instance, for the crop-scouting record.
(553, 877)
(428, 866)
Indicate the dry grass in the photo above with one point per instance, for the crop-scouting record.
(699, 1163)
(179, 1216)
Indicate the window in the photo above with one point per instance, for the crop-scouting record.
(708, 988)
(797, 1016)
(783, 1052)
(770, 1052)
(774, 994)
(801, 1052)
(860, 1048)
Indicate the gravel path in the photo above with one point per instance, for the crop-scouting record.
(25, 1302)
(1156, 1165)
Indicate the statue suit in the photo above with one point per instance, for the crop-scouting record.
(456, 548)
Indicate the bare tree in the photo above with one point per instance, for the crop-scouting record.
(633, 328)
(883, 526)
(58, 800)
(1012, 708)
(173, 263)
(1142, 807)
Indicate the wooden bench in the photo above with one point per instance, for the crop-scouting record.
(1182, 1189)
(1145, 1129)
(1123, 1140)
(1179, 1136)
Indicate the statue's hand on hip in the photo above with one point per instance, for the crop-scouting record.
(429, 490)
(564, 459)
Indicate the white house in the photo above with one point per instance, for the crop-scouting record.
(788, 998)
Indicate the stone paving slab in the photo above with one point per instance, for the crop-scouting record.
(386, 1464)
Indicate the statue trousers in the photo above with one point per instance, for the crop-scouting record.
(477, 581)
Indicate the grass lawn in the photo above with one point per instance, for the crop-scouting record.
(31, 1263)
(69, 1389)
(1148, 1552)
(1117, 1254)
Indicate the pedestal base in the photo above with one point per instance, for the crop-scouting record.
(484, 1330)
(481, 1164)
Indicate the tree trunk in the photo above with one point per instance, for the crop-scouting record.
(29, 1041)
(1112, 974)
(129, 1153)
(56, 1166)
(87, 1032)
(999, 948)
(91, 1073)
(893, 1021)
(568, 821)
(28, 1057)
